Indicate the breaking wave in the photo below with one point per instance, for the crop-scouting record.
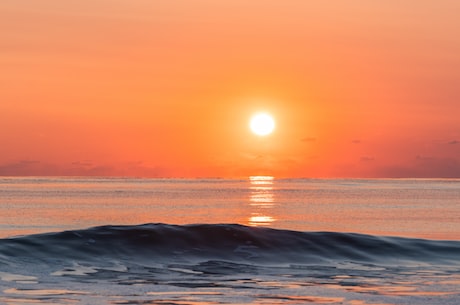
(223, 242)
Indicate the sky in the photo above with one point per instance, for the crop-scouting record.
(166, 88)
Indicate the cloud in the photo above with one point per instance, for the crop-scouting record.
(439, 167)
(308, 139)
(84, 163)
(356, 141)
(27, 168)
(88, 170)
(453, 142)
(80, 168)
(142, 170)
(366, 159)
(423, 167)
(424, 158)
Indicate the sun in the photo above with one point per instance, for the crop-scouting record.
(262, 124)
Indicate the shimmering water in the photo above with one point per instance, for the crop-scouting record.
(410, 208)
(254, 241)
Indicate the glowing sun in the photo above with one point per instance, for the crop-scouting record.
(262, 124)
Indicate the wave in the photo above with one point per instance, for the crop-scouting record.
(223, 242)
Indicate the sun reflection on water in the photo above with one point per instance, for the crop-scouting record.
(261, 200)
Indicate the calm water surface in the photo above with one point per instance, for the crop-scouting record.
(398, 207)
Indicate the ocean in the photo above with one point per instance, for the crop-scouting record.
(259, 240)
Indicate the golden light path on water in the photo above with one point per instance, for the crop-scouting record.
(261, 200)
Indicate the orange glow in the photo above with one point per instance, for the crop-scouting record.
(166, 88)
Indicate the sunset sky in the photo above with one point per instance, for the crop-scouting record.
(166, 88)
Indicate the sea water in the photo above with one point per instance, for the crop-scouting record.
(259, 240)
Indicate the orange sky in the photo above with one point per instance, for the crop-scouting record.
(166, 88)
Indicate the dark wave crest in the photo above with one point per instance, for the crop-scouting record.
(229, 242)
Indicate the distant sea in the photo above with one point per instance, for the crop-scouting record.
(259, 240)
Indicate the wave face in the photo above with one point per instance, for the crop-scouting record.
(223, 242)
